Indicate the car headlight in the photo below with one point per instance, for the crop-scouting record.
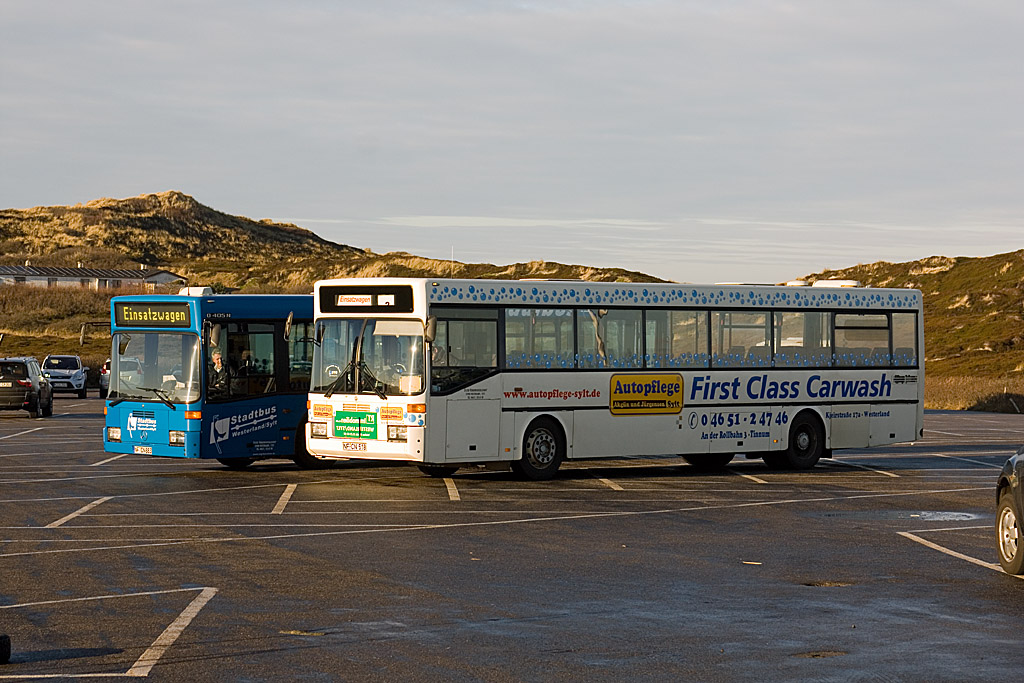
(318, 429)
(114, 434)
(398, 433)
(177, 438)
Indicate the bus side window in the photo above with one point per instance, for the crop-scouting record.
(250, 359)
(300, 356)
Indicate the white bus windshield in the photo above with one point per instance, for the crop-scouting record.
(155, 366)
(366, 356)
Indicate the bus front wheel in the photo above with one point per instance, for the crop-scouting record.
(707, 462)
(301, 456)
(437, 470)
(543, 450)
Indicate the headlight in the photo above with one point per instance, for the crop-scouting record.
(318, 429)
(177, 438)
(397, 433)
(114, 434)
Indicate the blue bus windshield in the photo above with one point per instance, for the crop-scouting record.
(155, 366)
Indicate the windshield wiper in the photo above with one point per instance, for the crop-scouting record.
(336, 384)
(159, 393)
(375, 383)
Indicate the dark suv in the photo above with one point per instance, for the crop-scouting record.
(23, 387)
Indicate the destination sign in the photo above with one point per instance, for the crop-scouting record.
(366, 299)
(153, 314)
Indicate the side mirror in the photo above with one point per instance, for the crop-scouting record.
(318, 337)
(288, 325)
(122, 345)
(430, 329)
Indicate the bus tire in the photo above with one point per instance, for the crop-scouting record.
(437, 470)
(301, 456)
(708, 462)
(806, 442)
(236, 463)
(543, 450)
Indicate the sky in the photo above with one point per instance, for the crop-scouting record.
(697, 141)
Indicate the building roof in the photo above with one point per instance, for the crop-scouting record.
(102, 273)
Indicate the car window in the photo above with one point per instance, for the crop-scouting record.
(13, 370)
(62, 363)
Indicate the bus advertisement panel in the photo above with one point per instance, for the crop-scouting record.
(447, 373)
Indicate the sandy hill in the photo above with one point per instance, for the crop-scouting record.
(172, 230)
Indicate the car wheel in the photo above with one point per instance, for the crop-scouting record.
(1011, 554)
(48, 408)
(83, 393)
(103, 392)
(543, 450)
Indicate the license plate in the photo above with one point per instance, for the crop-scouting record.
(353, 446)
(143, 450)
(6, 384)
(60, 384)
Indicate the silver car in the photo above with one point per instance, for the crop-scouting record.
(66, 373)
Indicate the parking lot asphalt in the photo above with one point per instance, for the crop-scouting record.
(878, 564)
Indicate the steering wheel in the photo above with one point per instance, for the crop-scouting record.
(399, 368)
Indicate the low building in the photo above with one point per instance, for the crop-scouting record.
(90, 278)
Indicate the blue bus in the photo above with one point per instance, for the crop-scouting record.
(212, 376)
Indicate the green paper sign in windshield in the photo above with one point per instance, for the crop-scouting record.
(355, 424)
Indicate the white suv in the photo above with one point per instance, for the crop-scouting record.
(66, 373)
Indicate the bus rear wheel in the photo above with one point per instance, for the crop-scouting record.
(707, 462)
(437, 470)
(543, 450)
(236, 463)
(806, 445)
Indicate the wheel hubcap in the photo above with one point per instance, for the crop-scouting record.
(803, 441)
(1008, 534)
(541, 447)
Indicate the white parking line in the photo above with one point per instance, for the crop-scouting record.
(151, 656)
(502, 522)
(952, 553)
(144, 664)
(79, 511)
(864, 467)
(27, 431)
(610, 484)
(974, 462)
(104, 462)
(282, 502)
(453, 491)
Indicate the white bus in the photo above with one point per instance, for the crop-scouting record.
(449, 373)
